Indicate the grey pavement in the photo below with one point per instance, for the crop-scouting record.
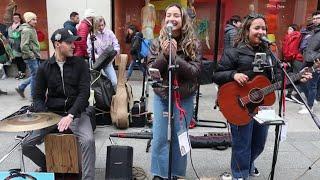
(296, 153)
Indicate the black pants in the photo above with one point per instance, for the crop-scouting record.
(21, 65)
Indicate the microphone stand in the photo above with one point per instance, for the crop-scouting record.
(170, 105)
(92, 39)
(277, 129)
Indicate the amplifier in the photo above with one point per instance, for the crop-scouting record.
(119, 162)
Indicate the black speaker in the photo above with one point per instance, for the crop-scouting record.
(119, 162)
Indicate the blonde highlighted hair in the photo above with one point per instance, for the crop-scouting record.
(97, 20)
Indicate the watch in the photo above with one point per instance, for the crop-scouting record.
(71, 115)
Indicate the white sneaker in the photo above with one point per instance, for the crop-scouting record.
(304, 110)
(315, 102)
(226, 176)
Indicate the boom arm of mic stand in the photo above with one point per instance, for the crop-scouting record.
(314, 117)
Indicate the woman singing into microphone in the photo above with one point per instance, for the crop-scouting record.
(185, 54)
(248, 140)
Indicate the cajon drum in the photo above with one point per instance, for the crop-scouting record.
(62, 153)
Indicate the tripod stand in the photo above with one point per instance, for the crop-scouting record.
(198, 121)
(19, 144)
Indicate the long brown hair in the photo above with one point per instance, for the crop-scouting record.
(188, 38)
(243, 34)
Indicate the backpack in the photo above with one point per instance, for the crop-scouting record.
(291, 46)
(304, 42)
(6, 53)
(144, 47)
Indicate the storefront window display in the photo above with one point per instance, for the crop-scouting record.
(279, 14)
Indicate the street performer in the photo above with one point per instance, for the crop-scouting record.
(62, 87)
(236, 64)
(186, 53)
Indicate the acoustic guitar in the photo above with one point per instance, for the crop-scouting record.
(239, 104)
(122, 101)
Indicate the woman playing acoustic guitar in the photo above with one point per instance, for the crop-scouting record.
(248, 139)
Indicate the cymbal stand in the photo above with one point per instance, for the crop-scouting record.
(19, 144)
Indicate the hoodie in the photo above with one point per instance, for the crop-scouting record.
(30, 47)
(230, 33)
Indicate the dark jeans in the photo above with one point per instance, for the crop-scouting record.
(136, 63)
(248, 142)
(21, 65)
(312, 86)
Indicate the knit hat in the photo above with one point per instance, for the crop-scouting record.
(89, 13)
(28, 16)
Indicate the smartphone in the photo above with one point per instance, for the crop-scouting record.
(155, 74)
(260, 60)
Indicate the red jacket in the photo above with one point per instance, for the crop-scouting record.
(81, 46)
(290, 47)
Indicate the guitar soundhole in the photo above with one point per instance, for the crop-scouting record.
(256, 96)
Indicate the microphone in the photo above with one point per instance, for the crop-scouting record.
(169, 27)
(265, 40)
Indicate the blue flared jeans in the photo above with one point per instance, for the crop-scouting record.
(160, 145)
(248, 142)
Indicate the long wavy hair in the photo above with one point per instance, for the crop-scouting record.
(243, 34)
(188, 38)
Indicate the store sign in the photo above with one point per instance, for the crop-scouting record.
(275, 6)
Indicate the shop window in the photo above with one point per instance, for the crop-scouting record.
(279, 14)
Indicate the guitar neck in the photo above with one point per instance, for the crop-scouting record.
(295, 77)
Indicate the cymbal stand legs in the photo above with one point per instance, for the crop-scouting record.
(19, 144)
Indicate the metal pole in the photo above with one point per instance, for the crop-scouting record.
(216, 35)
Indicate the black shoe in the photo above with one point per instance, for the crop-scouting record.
(3, 92)
(20, 92)
(297, 99)
(289, 98)
(255, 173)
(157, 178)
(22, 76)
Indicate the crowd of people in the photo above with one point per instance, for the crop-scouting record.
(61, 84)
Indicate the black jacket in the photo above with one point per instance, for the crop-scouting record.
(67, 96)
(313, 48)
(239, 60)
(230, 33)
(187, 73)
(135, 46)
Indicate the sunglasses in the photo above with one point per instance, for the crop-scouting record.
(254, 16)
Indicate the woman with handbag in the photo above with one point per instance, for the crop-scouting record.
(134, 37)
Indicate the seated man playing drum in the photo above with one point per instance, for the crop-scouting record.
(63, 87)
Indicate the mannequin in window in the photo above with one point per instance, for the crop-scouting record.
(148, 19)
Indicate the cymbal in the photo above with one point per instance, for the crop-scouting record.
(29, 122)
